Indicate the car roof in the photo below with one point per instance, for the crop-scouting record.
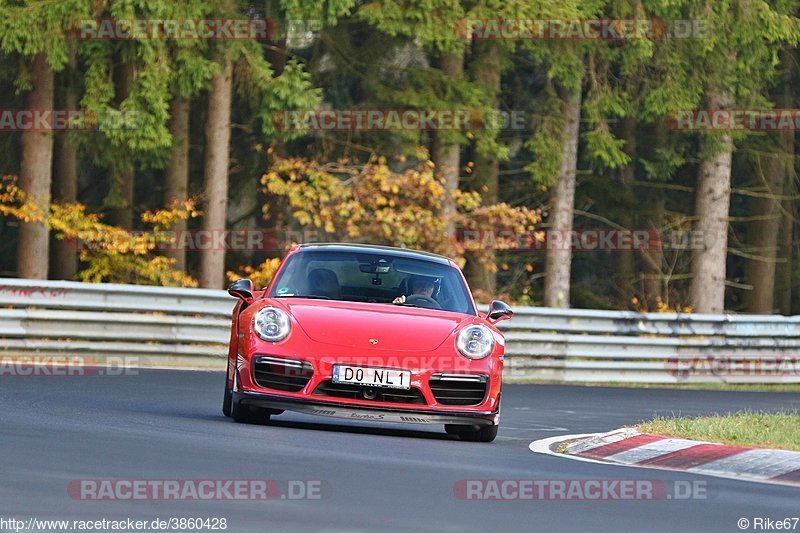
(386, 250)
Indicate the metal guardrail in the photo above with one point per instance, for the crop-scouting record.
(190, 327)
(157, 326)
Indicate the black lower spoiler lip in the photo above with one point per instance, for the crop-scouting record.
(375, 414)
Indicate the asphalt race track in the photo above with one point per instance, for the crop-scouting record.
(162, 424)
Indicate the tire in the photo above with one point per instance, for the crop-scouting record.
(244, 414)
(470, 434)
(247, 414)
(452, 429)
(227, 399)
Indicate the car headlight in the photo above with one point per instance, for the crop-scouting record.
(271, 324)
(475, 342)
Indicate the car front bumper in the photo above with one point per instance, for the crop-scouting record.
(367, 413)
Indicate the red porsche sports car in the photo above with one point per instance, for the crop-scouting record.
(366, 333)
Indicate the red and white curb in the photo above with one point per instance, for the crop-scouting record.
(628, 447)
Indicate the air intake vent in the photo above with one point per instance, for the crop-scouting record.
(289, 375)
(459, 389)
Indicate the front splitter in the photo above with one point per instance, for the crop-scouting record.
(370, 414)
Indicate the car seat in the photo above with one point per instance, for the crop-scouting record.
(324, 282)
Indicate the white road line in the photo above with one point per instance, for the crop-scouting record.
(537, 427)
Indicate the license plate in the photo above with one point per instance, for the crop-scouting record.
(372, 377)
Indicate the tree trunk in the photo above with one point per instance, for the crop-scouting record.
(218, 134)
(558, 261)
(783, 270)
(65, 185)
(177, 175)
(122, 172)
(653, 258)
(763, 236)
(481, 274)
(783, 267)
(446, 155)
(35, 175)
(625, 258)
(712, 203)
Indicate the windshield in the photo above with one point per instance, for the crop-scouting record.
(375, 278)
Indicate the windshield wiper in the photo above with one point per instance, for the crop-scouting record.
(412, 305)
(313, 297)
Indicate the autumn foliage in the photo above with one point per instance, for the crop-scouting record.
(109, 253)
(376, 203)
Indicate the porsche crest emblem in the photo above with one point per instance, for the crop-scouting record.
(373, 341)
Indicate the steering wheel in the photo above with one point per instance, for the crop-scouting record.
(417, 299)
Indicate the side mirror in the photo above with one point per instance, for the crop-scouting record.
(499, 311)
(243, 289)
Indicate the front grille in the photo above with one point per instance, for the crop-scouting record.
(459, 389)
(289, 375)
(375, 394)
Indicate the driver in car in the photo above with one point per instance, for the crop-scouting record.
(419, 286)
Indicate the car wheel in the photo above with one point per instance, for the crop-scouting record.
(471, 434)
(247, 414)
(453, 429)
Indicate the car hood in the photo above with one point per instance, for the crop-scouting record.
(358, 325)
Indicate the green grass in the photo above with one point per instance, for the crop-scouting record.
(747, 428)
